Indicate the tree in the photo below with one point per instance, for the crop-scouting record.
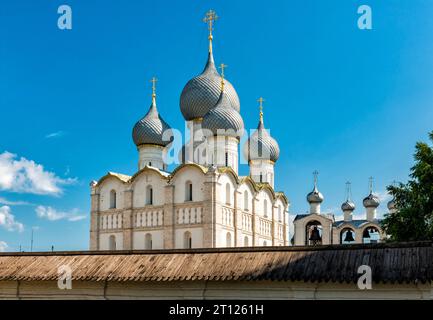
(413, 220)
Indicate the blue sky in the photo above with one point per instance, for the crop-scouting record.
(350, 103)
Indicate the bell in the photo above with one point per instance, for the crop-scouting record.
(315, 235)
(349, 236)
(366, 234)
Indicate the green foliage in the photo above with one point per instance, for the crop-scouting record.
(413, 220)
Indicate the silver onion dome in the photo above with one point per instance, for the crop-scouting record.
(315, 196)
(371, 201)
(222, 119)
(150, 129)
(391, 205)
(348, 205)
(201, 93)
(261, 146)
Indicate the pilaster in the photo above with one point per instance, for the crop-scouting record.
(169, 218)
(237, 219)
(255, 222)
(209, 209)
(94, 219)
(127, 222)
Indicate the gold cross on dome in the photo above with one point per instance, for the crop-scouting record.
(154, 80)
(222, 67)
(260, 101)
(209, 19)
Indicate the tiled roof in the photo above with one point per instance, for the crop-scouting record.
(401, 262)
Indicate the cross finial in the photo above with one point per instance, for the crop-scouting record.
(222, 67)
(154, 80)
(370, 184)
(348, 190)
(260, 101)
(210, 18)
(316, 175)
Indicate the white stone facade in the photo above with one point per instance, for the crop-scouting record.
(193, 207)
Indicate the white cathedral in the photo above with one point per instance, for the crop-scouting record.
(203, 202)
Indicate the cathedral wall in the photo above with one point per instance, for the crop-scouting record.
(188, 174)
(225, 237)
(246, 206)
(280, 211)
(264, 204)
(246, 239)
(104, 190)
(139, 239)
(223, 196)
(196, 237)
(140, 187)
(263, 241)
(104, 240)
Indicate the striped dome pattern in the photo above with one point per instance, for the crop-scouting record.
(150, 129)
(201, 93)
(261, 146)
(222, 119)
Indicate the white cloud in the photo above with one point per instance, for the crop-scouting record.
(52, 214)
(57, 134)
(7, 220)
(383, 196)
(14, 203)
(3, 246)
(26, 176)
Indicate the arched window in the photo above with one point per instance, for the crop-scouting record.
(149, 195)
(112, 242)
(261, 178)
(279, 214)
(265, 243)
(246, 200)
(113, 199)
(188, 191)
(265, 208)
(148, 241)
(246, 241)
(187, 240)
(228, 240)
(228, 194)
